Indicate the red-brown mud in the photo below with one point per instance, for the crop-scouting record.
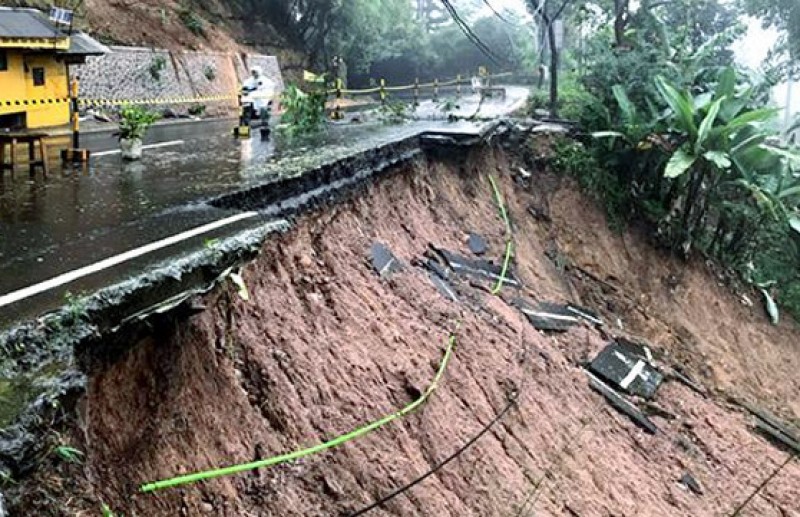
(325, 345)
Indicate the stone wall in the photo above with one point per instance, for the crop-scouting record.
(132, 73)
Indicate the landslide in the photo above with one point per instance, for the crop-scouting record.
(325, 345)
(209, 25)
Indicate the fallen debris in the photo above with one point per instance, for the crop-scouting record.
(547, 316)
(586, 314)
(477, 244)
(622, 405)
(773, 421)
(383, 261)
(691, 483)
(677, 375)
(477, 268)
(626, 365)
(443, 286)
(776, 435)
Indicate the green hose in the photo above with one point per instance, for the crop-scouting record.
(276, 460)
(509, 236)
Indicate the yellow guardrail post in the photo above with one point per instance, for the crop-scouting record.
(458, 86)
(383, 92)
(436, 90)
(75, 154)
(416, 91)
(76, 121)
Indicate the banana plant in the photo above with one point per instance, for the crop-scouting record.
(709, 128)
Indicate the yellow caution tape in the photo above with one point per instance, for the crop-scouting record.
(158, 100)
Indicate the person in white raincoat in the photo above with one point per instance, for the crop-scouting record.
(259, 89)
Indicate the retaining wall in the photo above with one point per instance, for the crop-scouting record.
(131, 73)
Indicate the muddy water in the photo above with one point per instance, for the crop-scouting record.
(324, 345)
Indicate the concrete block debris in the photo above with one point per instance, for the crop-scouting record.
(627, 366)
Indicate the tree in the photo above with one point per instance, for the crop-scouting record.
(783, 15)
(547, 14)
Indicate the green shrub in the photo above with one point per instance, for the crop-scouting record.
(575, 103)
(135, 121)
(395, 112)
(574, 159)
(538, 100)
(304, 113)
(157, 65)
(192, 21)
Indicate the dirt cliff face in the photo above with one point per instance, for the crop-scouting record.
(324, 345)
(175, 25)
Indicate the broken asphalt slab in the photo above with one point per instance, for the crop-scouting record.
(383, 260)
(477, 268)
(626, 366)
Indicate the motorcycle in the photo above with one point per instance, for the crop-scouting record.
(252, 118)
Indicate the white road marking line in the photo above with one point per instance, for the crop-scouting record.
(71, 276)
(549, 315)
(149, 146)
(585, 316)
(632, 375)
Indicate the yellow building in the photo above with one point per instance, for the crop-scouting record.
(35, 56)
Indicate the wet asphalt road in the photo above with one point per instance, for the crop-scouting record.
(76, 217)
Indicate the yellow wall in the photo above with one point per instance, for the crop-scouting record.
(16, 84)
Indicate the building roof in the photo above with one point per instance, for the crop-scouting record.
(27, 23)
(82, 44)
(31, 24)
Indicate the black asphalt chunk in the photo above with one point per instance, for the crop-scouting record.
(477, 268)
(383, 260)
(547, 316)
(443, 286)
(621, 404)
(586, 314)
(773, 421)
(437, 268)
(626, 366)
(691, 483)
(477, 244)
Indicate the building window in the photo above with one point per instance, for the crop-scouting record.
(3, 61)
(38, 76)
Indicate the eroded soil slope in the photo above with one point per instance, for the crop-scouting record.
(325, 345)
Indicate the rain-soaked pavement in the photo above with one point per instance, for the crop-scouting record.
(76, 217)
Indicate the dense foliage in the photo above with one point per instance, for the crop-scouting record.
(397, 40)
(303, 113)
(683, 141)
